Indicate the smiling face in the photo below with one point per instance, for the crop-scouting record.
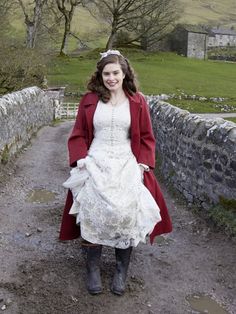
(113, 76)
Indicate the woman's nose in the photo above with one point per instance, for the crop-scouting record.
(111, 77)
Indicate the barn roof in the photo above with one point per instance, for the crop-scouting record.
(193, 28)
(221, 31)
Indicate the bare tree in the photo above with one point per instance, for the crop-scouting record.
(67, 8)
(141, 18)
(5, 7)
(118, 13)
(32, 21)
(158, 17)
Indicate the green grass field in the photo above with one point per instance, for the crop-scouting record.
(158, 73)
(231, 119)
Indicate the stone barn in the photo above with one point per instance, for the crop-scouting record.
(190, 41)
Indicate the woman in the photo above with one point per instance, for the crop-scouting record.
(114, 198)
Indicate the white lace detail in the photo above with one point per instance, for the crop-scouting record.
(111, 203)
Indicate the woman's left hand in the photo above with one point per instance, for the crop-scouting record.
(142, 169)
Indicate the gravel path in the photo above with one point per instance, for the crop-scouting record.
(42, 275)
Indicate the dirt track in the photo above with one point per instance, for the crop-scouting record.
(41, 275)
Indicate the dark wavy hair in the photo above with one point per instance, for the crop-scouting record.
(96, 85)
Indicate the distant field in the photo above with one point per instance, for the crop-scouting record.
(159, 73)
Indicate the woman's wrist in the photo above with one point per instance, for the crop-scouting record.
(145, 167)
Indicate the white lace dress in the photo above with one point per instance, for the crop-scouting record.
(111, 204)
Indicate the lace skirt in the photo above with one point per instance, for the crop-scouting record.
(110, 202)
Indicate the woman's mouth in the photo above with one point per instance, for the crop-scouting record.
(112, 84)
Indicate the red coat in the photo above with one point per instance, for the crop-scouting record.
(143, 148)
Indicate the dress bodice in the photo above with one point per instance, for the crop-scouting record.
(112, 123)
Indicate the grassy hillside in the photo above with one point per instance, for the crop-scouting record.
(159, 73)
(205, 11)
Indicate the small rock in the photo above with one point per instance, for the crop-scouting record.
(3, 308)
(74, 299)
(149, 305)
(8, 301)
(196, 297)
(230, 287)
(28, 234)
(39, 230)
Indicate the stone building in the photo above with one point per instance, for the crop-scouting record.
(190, 41)
(222, 38)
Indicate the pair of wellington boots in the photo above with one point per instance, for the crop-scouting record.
(94, 284)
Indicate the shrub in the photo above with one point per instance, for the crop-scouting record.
(21, 67)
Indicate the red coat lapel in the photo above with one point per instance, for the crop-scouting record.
(89, 113)
(90, 107)
(135, 109)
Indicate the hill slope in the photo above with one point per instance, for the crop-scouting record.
(205, 11)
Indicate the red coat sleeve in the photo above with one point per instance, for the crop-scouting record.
(78, 140)
(147, 139)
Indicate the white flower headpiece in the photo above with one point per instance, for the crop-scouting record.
(109, 52)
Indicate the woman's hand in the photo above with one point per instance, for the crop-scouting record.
(143, 168)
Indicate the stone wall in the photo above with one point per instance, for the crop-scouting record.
(22, 113)
(198, 155)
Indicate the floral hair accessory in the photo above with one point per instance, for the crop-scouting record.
(109, 52)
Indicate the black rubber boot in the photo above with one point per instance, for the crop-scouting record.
(94, 284)
(122, 265)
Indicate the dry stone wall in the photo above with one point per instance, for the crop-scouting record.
(198, 155)
(22, 113)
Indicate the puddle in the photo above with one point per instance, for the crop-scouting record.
(41, 196)
(204, 304)
(159, 240)
(31, 242)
